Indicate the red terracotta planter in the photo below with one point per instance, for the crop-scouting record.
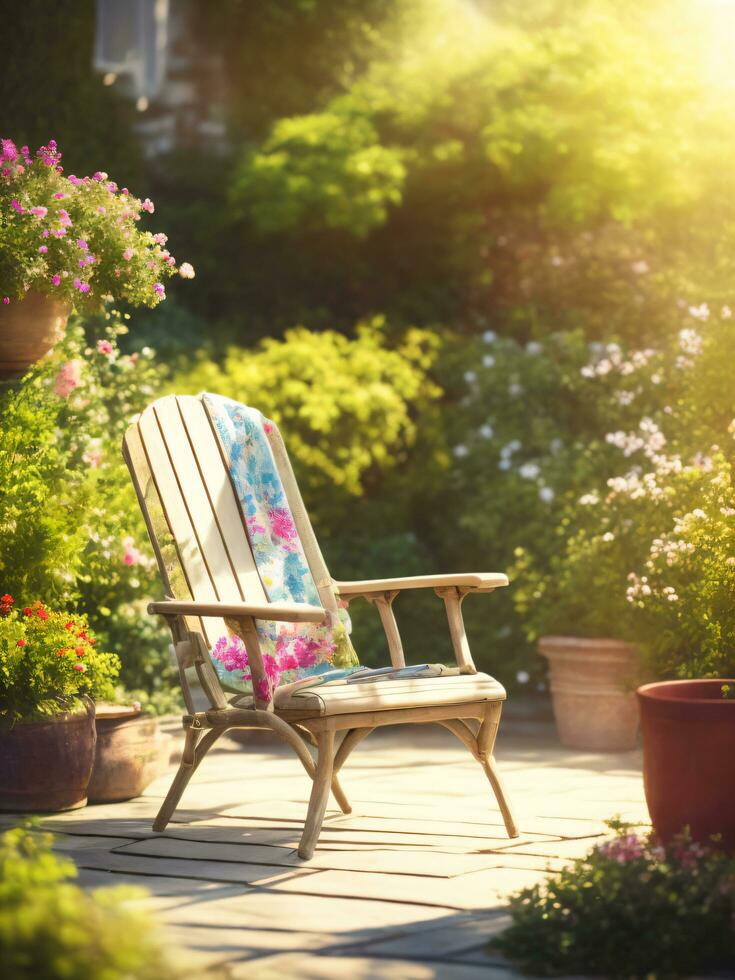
(689, 757)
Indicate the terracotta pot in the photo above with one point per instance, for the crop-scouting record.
(689, 757)
(46, 765)
(29, 328)
(131, 753)
(592, 707)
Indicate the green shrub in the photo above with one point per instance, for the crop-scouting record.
(347, 406)
(630, 908)
(71, 530)
(51, 929)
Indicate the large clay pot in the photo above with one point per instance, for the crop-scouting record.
(29, 328)
(689, 757)
(131, 753)
(46, 765)
(594, 705)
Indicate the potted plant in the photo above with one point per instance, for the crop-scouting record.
(583, 625)
(67, 241)
(49, 670)
(683, 597)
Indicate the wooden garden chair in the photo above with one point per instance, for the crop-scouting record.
(183, 477)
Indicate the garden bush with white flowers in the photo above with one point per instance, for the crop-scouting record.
(646, 552)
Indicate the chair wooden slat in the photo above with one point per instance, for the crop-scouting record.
(179, 520)
(159, 532)
(204, 520)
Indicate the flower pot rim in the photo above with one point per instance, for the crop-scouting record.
(85, 708)
(557, 643)
(657, 692)
(109, 712)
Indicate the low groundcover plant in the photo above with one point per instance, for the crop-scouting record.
(48, 660)
(50, 928)
(631, 907)
(75, 238)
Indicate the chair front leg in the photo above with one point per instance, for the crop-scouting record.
(319, 794)
(485, 745)
(193, 753)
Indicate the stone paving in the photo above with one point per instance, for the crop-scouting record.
(411, 885)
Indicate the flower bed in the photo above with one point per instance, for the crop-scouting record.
(629, 908)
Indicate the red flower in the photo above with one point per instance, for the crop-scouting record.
(70, 625)
(42, 614)
(79, 651)
(21, 643)
(6, 600)
(80, 667)
(27, 611)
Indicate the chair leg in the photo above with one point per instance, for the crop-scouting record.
(337, 792)
(485, 745)
(319, 794)
(190, 759)
(488, 764)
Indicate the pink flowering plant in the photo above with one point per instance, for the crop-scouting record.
(631, 907)
(48, 660)
(75, 238)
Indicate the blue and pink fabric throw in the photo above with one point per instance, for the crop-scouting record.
(291, 651)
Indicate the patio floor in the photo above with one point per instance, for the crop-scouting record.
(410, 885)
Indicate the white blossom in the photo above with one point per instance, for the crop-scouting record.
(699, 312)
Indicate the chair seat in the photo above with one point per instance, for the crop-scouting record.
(384, 695)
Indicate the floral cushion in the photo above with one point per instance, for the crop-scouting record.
(291, 651)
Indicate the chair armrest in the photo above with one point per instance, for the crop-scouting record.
(471, 581)
(290, 612)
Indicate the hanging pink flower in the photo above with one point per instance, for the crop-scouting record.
(105, 347)
(68, 378)
(131, 554)
(93, 458)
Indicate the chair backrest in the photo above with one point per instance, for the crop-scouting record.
(182, 471)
